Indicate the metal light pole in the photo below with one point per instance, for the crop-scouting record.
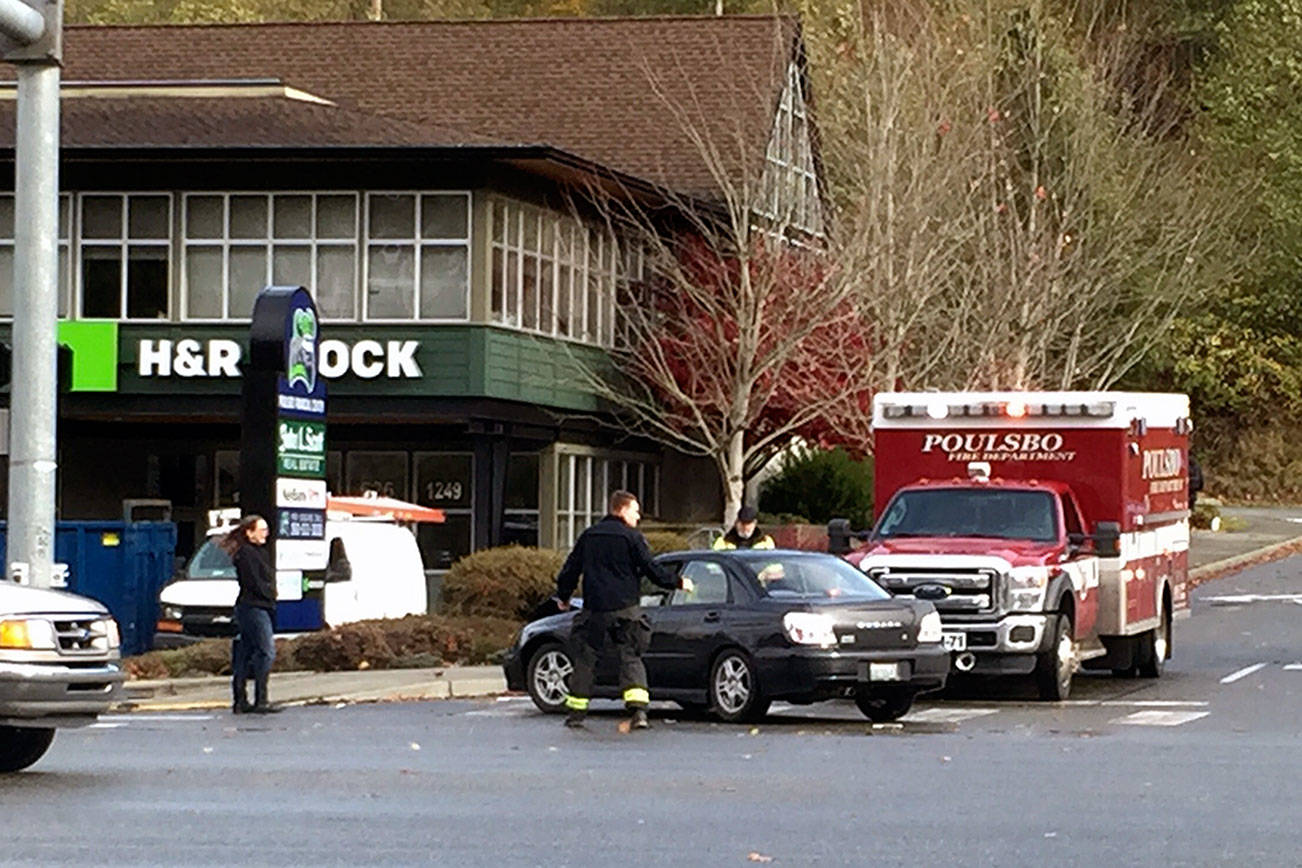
(31, 35)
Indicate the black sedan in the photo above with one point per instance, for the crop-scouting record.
(759, 626)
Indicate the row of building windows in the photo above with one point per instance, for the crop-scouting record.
(790, 184)
(584, 482)
(410, 253)
(557, 275)
(446, 480)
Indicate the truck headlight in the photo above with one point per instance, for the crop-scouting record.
(929, 628)
(114, 635)
(29, 634)
(809, 628)
(1026, 588)
(171, 613)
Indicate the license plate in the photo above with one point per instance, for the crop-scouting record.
(954, 641)
(884, 672)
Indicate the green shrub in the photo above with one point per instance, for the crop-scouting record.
(416, 641)
(506, 582)
(821, 484)
(1206, 515)
(206, 657)
(661, 541)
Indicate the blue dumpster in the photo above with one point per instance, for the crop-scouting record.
(123, 565)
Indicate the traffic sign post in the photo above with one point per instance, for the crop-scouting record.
(31, 36)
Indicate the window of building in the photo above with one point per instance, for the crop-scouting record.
(7, 254)
(584, 482)
(385, 473)
(417, 256)
(790, 188)
(520, 517)
(554, 274)
(125, 255)
(446, 481)
(238, 243)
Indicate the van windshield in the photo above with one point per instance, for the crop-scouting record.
(967, 512)
(210, 562)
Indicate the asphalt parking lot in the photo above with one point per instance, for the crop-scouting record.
(1198, 768)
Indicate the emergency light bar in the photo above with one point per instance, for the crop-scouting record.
(1006, 409)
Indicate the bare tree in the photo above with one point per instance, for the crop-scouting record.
(739, 330)
(1094, 221)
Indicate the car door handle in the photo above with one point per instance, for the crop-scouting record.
(711, 617)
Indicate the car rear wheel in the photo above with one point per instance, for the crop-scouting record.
(22, 746)
(1154, 648)
(548, 677)
(883, 707)
(1054, 668)
(734, 691)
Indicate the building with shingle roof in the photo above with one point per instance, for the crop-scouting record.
(417, 178)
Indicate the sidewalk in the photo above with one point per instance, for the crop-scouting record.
(305, 688)
(1270, 533)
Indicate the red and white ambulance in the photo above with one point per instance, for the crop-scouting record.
(1050, 529)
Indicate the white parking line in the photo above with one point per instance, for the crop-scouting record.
(106, 726)
(130, 718)
(1293, 667)
(1239, 599)
(1153, 703)
(947, 715)
(1160, 718)
(1242, 673)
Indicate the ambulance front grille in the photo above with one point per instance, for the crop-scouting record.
(952, 591)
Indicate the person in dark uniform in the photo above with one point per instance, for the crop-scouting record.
(255, 648)
(612, 556)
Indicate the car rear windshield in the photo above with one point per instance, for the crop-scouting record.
(810, 576)
(210, 562)
(968, 512)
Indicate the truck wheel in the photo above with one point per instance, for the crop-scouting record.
(1055, 667)
(548, 677)
(734, 690)
(1154, 648)
(22, 746)
(884, 707)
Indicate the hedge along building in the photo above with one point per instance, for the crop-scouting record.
(417, 178)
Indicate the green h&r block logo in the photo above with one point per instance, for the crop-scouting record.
(94, 348)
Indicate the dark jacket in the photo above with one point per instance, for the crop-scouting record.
(253, 569)
(612, 558)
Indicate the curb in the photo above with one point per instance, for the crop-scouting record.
(1222, 568)
(461, 688)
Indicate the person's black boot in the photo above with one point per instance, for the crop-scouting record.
(574, 720)
(637, 720)
(240, 699)
(260, 703)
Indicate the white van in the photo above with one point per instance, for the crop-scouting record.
(375, 571)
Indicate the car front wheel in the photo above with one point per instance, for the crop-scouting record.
(548, 677)
(22, 746)
(883, 707)
(734, 690)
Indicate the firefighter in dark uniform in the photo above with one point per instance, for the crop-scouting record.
(612, 557)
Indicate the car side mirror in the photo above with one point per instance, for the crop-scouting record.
(1107, 539)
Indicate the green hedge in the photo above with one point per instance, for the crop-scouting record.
(505, 582)
(820, 485)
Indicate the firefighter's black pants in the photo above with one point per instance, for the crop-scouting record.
(629, 631)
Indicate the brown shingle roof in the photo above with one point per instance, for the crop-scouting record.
(621, 92)
(160, 122)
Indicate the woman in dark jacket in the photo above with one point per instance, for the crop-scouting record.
(255, 649)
